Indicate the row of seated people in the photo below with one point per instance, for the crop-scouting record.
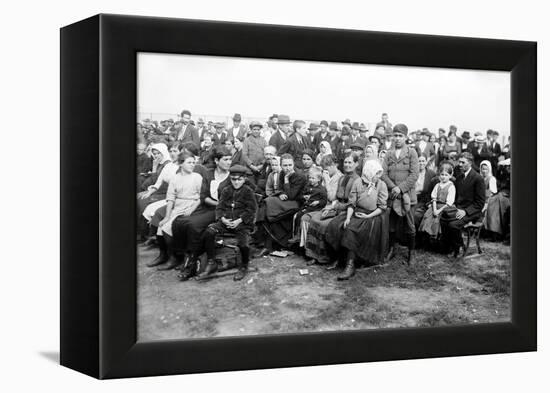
(282, 205)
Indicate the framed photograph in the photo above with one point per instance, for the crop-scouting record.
(242, 196)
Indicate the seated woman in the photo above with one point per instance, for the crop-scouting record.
(237, 148)
(182, 199)
(497, 204)
(314, 225)
(188, 230)
(280, 208)
(307, 161)
(363, 231)
(161, 157)
(423, 188)
(155, 195)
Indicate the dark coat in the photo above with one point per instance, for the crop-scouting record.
(429, 150)
(430, 180)
(219, 139)
(293, 189)
(295, 148)
(237, 203)
(358, 139)
(479, 154)
(238, 158)
(470, 193)
(144, 163)
(188, 134)
(311, 194)
(277, 140)
(318, 138)
(243, 132)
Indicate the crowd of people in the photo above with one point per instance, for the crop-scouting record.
(336, 193)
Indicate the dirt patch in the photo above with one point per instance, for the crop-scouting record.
(277, 299)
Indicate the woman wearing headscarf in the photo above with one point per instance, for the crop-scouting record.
(363, 230)
(497, 204)
(315, 246)
(324, 150)
(161, 157)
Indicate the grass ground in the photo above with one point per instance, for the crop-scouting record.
(277, 299)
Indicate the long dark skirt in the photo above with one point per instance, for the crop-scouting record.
(498, 213)
(316, 248)
(367, 238)
(187, 230)
(278, 223)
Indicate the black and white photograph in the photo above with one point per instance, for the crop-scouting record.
(284, 196)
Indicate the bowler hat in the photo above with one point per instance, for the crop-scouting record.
(255, 123)
(238, 170)
(465, 135)
(356, 126)
(236, 117)
(283, 119)
(333, 125)
(401, 129)
(376, 135)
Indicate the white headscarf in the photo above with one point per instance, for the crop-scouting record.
(488, 163)
(165, 155)
(328, 150)
(370, 169)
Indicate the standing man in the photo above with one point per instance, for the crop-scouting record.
(187, 133)
(283, 128)
(355, 137)
(385, 123)
(313, 129)
(296, 143)
(253, 148)
(424, 147)
(494, 147)
(469, 201)
(400, 175)
(238, 130)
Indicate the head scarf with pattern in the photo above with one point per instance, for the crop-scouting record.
(371, 168)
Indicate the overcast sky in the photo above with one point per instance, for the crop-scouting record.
(419, 97)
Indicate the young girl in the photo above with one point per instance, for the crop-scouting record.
(312, 198)
(443, 196)
(324, 150)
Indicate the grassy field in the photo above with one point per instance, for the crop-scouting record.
(277, 299)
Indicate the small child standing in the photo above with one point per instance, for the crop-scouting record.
(443, 196)
(312, 198)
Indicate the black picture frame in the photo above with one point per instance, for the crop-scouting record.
(98, 248)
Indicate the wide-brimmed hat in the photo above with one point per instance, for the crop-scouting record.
(347, 122)
(377, 136)
(465, 135)
(362, 128)
(283, 119)
(401, 129)
(356, 126)
(313, 126)
(219, 124)
(237, 117)
(255, 123)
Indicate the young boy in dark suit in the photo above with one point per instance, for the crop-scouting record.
(235, 213)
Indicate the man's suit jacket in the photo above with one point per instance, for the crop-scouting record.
(277, 140)
(358, 139)
(292, 189)
(479, 155)
(219, 139)
(429, 149)
(243, 132)
(188, 134)
(318, 139)
(470, 193)
(295, 148)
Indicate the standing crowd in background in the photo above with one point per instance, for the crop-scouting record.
(338, 194)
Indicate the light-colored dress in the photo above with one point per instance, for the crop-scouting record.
(184, 190)
(442, 194)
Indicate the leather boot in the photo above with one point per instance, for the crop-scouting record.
(332, 266)
(211, 267)
(349, 271)
(243, 268)
(163, 256)
(189, 270)
(172, 260)
(411, 255)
